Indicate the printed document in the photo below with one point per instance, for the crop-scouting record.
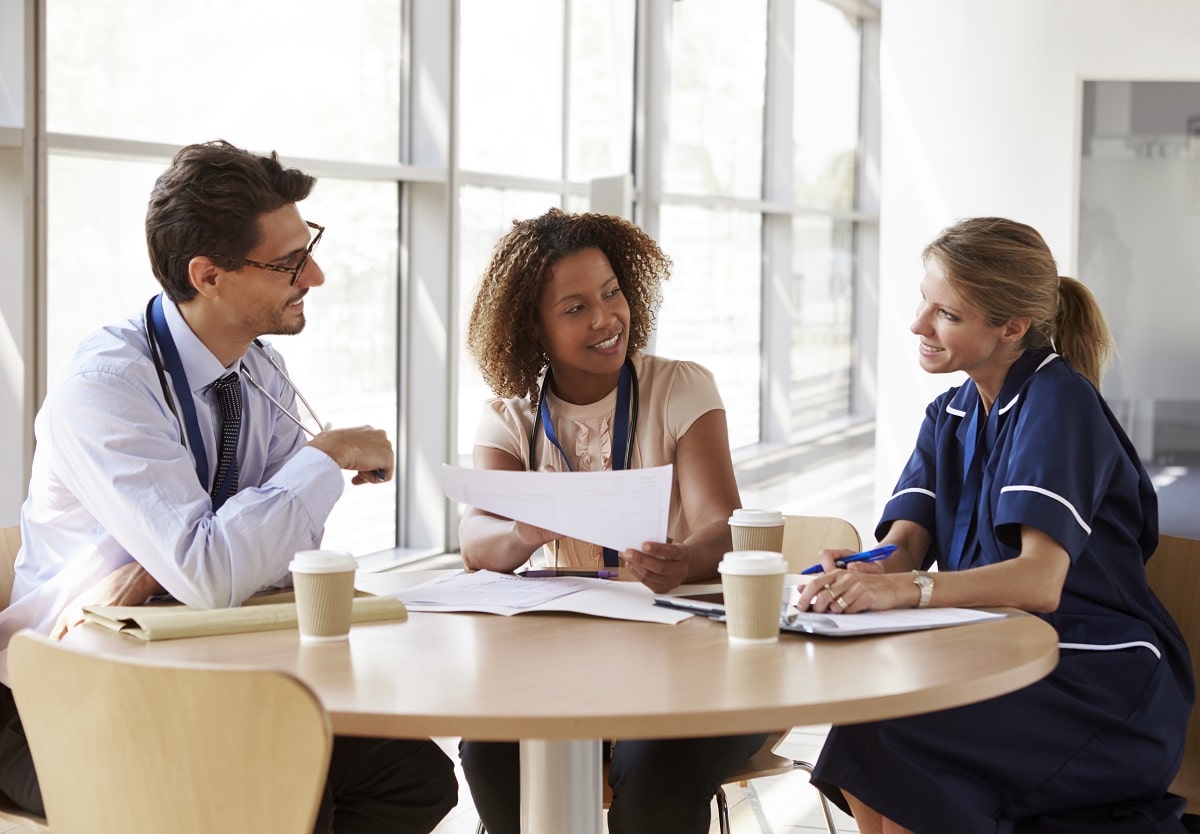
(619, 509)
(503, 593)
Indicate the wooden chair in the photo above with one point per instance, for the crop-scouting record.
(10, 543)
(803, 537)
(125, 747)
(1174, 574)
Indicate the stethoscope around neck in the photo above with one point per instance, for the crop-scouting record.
(168, 363)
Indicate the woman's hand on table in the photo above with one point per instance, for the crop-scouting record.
(660, 566)
(860, 586)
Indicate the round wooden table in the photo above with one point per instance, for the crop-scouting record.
(559, 683)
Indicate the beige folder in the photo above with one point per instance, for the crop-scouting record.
(171, 621)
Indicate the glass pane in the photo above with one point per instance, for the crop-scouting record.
(98, 271)
(825, 111)
(712, 306)
(718, 73)
(306, 76)
(600, 131)
(345, 360)
(511, 87)
(12, 64)
(822, 297)
(1139, 216)
(487, 214)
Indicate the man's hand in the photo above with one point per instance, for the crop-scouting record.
(127, 585)
(362, 449)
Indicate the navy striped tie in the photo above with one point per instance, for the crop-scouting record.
(229, 401)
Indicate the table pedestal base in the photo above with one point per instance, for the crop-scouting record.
(560, 787)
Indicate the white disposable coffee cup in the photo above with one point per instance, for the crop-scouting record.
(752, 584)
(324, 583)
(757, 530)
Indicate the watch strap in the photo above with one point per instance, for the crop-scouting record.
(924, 583)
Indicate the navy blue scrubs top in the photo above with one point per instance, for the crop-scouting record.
(1054, 457)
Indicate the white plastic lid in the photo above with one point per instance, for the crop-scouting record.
(752, 563)
(322, 561)
(756, 518)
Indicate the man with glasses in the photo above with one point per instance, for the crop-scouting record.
(172, 458)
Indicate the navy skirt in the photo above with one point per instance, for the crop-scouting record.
(1105, 727)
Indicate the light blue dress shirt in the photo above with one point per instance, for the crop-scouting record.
(113, 482)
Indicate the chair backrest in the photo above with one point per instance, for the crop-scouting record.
(10, 543)
(1174, 574)
(133, 748)
(804, 536)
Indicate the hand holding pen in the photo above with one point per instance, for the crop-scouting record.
(873, 555)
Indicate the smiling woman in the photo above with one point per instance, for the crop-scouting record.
(560, 322)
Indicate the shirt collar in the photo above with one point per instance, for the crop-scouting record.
(199, 363)
(966, 399)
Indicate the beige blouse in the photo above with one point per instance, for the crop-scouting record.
(672, 396)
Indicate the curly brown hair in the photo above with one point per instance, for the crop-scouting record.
(502, 334)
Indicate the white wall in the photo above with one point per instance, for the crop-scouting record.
(981, 104)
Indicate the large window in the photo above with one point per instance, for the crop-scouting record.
(304, 78)
(718, 65)
(730, 132)
(311, 78)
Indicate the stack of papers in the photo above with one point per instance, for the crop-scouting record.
(502, 593)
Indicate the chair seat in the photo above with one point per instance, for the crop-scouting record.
(762, 763)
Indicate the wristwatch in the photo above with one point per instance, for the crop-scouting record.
(924, 583)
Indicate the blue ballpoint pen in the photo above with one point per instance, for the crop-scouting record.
(866, 556)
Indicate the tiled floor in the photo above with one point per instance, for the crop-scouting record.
(776, 805)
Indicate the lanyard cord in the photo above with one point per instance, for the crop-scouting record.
(159, 337)
(624, 429)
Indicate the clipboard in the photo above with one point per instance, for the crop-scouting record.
(839, 625)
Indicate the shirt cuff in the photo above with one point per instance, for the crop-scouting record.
(316, 481)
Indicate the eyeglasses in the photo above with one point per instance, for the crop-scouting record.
(293, 271)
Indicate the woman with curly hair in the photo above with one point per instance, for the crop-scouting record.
(562, 315)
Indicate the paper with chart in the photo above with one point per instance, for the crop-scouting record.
(619, 509)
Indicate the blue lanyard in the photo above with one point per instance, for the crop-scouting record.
(624, 426)
(161, 340)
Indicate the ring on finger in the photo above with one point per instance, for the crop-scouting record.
(842, 603)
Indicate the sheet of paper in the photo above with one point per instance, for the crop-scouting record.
(505, 594)
(882, 622)
(619, 509)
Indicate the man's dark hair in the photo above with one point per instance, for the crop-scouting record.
(208, 204)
